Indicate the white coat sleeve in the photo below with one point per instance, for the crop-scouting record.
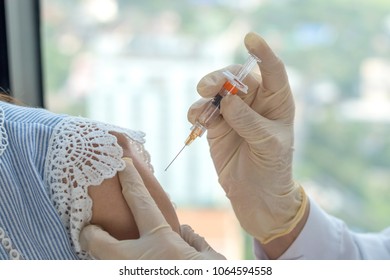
(325, 237)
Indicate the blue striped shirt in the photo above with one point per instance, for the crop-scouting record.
(30, 227)
(47, 163)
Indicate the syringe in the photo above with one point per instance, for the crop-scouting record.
(233, 84)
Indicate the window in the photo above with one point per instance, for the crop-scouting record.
(137, 63)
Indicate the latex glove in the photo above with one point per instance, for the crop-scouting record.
(252, 146)
(157, 240)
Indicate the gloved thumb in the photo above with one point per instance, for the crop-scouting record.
(271, 67)
(139, 200)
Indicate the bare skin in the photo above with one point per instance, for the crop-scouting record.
(110, 210)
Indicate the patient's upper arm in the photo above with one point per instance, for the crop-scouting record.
(110, 210)
(81, 167)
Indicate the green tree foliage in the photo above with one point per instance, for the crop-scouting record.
(326, 39)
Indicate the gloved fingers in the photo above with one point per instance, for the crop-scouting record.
(199, 243)
(210, 86)
(146, 213)
(244, 120)
(213, 82)
(197, 108)
(96, 241)
(272, 68)
(193, 239)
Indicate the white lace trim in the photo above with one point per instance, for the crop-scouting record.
(3, 133)
(83, 153)
(6, 243)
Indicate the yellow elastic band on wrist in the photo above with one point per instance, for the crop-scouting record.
(294, 222)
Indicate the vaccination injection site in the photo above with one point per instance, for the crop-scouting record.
(234, 133)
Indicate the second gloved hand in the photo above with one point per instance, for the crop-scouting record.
(252, 146)
(157, 239)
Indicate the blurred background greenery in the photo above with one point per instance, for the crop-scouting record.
(337, 54)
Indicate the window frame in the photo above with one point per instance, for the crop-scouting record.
(4, 68)
(22, 28)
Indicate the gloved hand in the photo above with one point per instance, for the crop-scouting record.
(157, 240)
(252, 146)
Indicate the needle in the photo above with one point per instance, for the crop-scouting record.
(175, 157)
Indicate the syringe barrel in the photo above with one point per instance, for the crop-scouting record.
(211, 112)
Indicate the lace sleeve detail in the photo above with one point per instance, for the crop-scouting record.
(3, 133)
(83, 153)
